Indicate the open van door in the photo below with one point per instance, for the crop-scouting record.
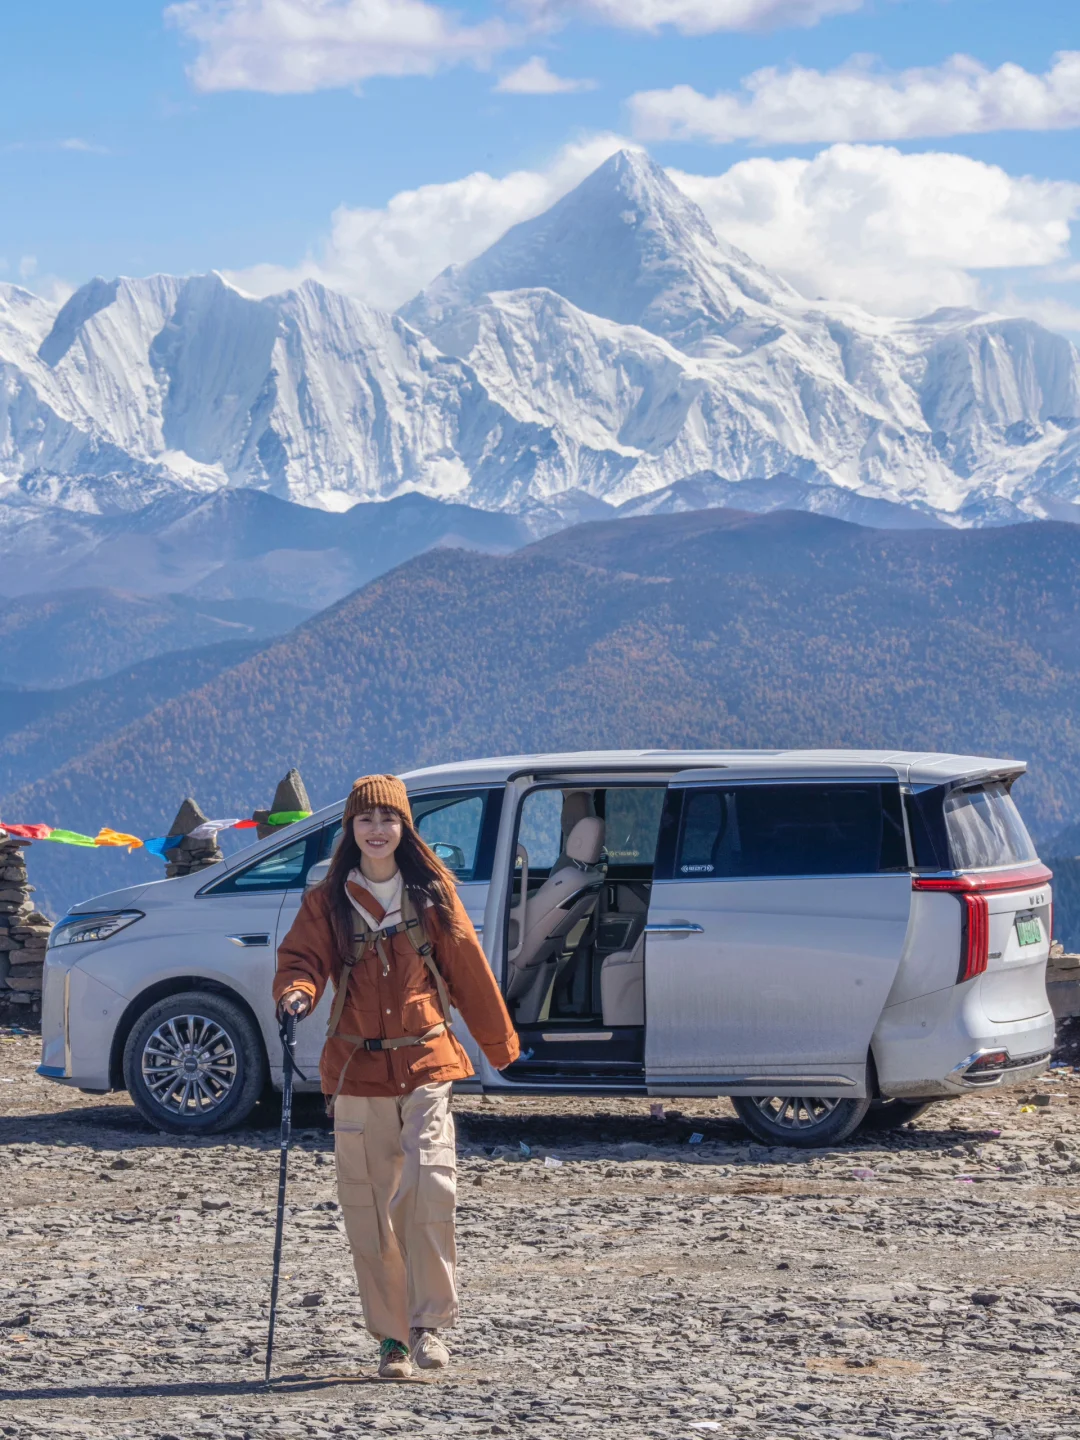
(776, 925)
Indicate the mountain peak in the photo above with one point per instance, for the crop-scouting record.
(626, 244)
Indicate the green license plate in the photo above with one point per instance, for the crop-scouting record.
(1028, 929)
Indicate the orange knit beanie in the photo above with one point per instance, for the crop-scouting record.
(371, 790)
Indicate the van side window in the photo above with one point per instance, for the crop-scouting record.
(775, 830)
(282, 869)
(452, 824)
(632, 821)
(540, 828)
(985, 829)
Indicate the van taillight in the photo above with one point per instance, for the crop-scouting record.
(974, 937)
(971, 890)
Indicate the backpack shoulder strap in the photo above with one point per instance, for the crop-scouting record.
(361, 938)
(418, 938)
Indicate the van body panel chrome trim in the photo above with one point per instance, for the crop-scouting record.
(761, 1083)
(568, 1036)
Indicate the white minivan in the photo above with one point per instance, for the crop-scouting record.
(831, 938)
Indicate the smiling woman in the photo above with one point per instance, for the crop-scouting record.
(387, 931)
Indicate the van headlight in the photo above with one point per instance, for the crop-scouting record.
(78, 929)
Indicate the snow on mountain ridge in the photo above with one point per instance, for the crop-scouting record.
(611, 347)
(626, 244)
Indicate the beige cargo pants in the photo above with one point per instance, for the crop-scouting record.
(397, 1187)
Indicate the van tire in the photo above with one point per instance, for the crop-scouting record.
(842, 1120)
(226, 1042)
(890, 1114)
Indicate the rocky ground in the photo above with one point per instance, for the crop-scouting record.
(923, 1284)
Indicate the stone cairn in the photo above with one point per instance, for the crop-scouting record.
(190, 855)
(289, 795)
(24, 932)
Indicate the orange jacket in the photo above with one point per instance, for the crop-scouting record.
(404, 1002)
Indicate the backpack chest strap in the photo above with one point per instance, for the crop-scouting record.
(363, 936)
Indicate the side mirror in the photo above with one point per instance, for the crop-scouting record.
(452, 856)
(317, 874)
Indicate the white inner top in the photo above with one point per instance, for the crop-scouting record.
(386, 892)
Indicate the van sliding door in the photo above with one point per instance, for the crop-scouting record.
(776, 926)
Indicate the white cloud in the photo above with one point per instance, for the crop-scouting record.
(856, 102)
(1048, 310)
(692, 17)
(535, 78)
(295, 46)
(896, 233)
(75, 143)
(385, 256)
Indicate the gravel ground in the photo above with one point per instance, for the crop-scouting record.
(926, 1284)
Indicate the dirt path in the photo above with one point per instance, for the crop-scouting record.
(927, 1285)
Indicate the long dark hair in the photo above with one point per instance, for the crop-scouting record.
(422, 872)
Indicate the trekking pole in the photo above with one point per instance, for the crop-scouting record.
(287, 1031)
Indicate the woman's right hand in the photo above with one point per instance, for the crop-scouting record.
(294, 1002)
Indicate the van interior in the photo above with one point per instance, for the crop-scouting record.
(575, 957)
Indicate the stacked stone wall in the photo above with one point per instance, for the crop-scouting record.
(24, 933)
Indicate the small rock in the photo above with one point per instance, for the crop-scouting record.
(216, 1202)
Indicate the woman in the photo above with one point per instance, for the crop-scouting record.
(387, 928)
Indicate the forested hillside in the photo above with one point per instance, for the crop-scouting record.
(63, 638)
(40, 730)
(712, 628)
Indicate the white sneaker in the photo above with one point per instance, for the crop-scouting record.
(428, 1351)
(394, 1361)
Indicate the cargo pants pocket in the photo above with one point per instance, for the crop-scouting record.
(436, 1189)
(356, 1195)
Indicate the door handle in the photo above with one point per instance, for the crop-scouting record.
(247, 942)
(675, 927)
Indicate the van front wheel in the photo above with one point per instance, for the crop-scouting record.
(805, 1121)
(194, 1064)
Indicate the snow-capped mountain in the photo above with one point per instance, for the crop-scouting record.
(958, 411)
(611, 348)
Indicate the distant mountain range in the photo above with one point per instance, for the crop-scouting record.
(245, 545)
(613, 347)
(688, 629)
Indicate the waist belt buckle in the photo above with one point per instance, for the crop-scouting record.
(373, 1045)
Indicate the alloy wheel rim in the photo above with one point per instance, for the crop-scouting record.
(796, 1112)
(190, 1065)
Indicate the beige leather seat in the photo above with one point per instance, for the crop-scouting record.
(622, 986)
(563, 904)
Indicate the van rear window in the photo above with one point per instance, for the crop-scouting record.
(984, 828)
(775, 830)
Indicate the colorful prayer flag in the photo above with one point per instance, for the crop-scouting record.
(105, 836)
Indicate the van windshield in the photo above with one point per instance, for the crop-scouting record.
(985, 829)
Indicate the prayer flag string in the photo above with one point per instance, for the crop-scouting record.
(119, 839)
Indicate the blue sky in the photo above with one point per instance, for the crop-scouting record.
(269, 138)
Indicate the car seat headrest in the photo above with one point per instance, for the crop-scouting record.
(586, 840)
